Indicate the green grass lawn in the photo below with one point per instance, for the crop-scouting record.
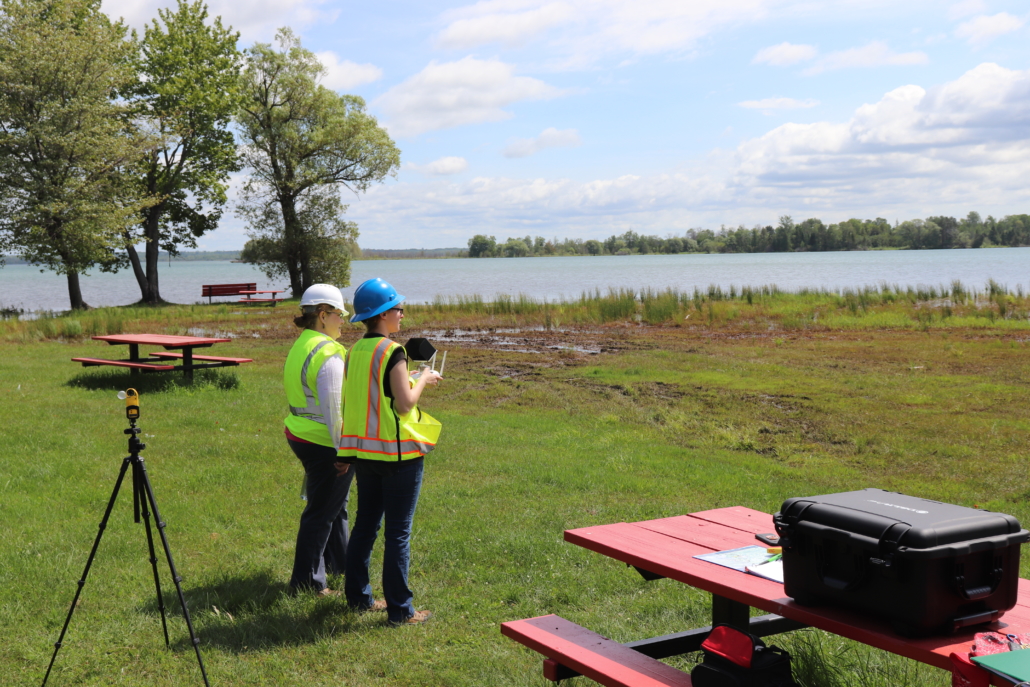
(676, 420)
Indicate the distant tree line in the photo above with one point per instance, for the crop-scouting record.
(787, 236)
(405, 253)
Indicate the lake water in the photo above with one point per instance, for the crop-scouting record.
(25, 287)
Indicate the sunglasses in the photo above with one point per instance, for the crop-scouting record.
(400, 310)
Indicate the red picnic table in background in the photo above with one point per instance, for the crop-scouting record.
(273, 300)
(666, 548)
(158, 362)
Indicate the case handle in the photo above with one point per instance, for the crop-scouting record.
(981, 592)
(839, 584)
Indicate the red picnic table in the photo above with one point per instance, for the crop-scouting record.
(157, 362)
(666, 548)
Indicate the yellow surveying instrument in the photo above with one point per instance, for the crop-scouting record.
(143, 502)
(131, 403)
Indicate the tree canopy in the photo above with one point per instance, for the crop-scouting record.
(66, 141)
(301, 143)
(186, 93)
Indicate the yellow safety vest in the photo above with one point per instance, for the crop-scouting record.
(371, 428)
(300, 374)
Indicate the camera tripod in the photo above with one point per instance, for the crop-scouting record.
(143, 502)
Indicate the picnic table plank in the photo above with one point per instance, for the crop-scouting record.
(674, 559)
(165, 340)
(738, 517)
(701, 532)
(601, 659)
(215, 358)
(933, 650)
(156, 367)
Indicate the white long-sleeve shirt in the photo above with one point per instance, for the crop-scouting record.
(330, 392)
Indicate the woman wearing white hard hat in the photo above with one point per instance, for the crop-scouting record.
(384, 436)
(313, 378)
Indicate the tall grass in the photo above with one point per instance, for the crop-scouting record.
(763, 307)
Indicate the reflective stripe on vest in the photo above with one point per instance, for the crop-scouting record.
(370, 424)
(312, 411)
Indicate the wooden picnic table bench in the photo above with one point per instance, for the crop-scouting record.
(273, 300)
(666, 548)
(155, 363)
(210, 291)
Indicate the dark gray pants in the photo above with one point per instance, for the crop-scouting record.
(322, 537)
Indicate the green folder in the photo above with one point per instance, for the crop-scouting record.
(1014, 665)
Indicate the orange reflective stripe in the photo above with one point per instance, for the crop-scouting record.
(386, 448)
(375, 372)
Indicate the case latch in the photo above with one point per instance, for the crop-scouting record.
(889, 545)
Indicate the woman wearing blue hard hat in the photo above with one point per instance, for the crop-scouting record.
(382, 438)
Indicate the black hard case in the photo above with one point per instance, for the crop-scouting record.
(925, 566)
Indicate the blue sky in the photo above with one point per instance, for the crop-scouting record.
(585, 118)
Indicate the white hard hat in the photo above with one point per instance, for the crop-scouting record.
(323, 293)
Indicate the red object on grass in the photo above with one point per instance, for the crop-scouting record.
(733, 645)
(965, 673)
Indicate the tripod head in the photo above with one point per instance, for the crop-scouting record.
(131, 398)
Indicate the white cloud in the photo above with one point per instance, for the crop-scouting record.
(983, 29)
(511, 26)
(255, 19)
(469, 91)
(961, 144)
(343, 76)
(966, 8)
(962, 139)
(778, 104)
(784, 54)
(875, 54)
(581, 31)
(548, 138)
(442, 167)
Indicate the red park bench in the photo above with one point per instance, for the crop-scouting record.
(209, 291)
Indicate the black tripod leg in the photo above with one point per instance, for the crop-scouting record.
(171, 566)
(137, 483)
(89, 562)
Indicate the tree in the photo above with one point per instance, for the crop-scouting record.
(186, 93)
(948, 230)
(330, 241)
(515, 248)
(482, 246)
(784, 229)
(65, 140)
(302, 141)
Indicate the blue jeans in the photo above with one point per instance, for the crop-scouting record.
(388, 489)
(322, 537)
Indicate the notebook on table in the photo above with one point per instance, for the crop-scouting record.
(1014, 665)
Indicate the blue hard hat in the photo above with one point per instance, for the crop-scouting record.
(373, 297)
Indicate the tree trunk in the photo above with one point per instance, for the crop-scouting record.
(150, 293)
(293, 248)
(137, 269)
(74, 292)
(152, 230)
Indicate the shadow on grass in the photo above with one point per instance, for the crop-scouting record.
(253, 612)
(118, 380)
